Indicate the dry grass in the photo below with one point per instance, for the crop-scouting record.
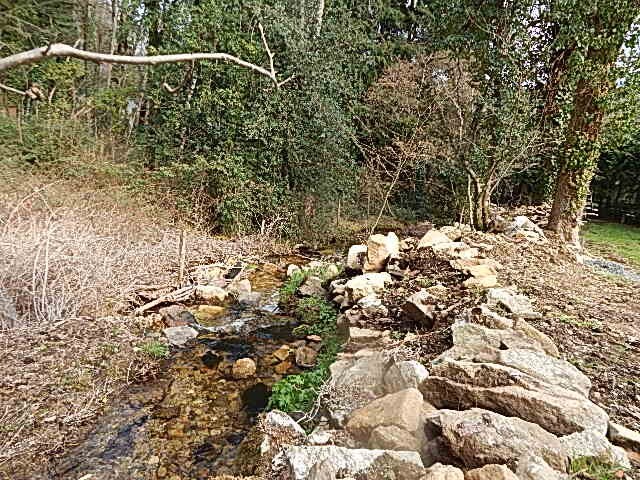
(68, 250)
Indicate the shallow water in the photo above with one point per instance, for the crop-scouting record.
(189, 421)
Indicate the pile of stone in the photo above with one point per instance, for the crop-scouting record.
(499, 404)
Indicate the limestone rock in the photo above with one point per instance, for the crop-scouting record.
(212, 294)
(624, 437)
(356, 257)
(418, 308)
(371, 307)
(312, 287)
(391, 437)
(403, 375)
(176, 316)
(292, 270)
(431, 238)
(370, 464)
(466, 265)
(479, 437)
(503, 389)
(306, 357)
(545, 368)
(180, 336)
(379, 249)
(454, 233)
(486, 281)
(443, 472)
(282, 353)
(590, 444)
(366, 284)
(522, 227)
(517, 304)
(491, 472)
(249, 299)
(356, 383)
(533, 467)
(364, 335)
(453, 250)
(273, 431)
(402, 409)
(244, 368)
(239, 286)
(475, 336)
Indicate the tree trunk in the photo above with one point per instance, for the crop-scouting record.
(580, 155)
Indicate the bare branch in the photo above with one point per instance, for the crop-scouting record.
(61, 50)
(12, 90)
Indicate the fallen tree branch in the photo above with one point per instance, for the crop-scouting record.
(61, 50)
(179, 295)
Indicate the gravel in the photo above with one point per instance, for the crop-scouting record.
(613, 268)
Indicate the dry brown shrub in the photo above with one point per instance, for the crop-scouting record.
(68, 249)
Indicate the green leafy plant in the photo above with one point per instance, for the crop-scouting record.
(288, 290)
(317, 315)
(155, 349)
(298, 393)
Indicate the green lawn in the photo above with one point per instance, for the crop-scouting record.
(614, 241)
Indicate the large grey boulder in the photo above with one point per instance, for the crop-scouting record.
(590, 444)
(405, 374)
(299, 461)
(518, 305)
(462, 384)
(402, 409)
(365, 285)
(523, 336)
(355, 383)
(180, 336)
(420, 307)
(479, 437)
(431, 238)
(545, 368)
(534, 467)
(274, 431)
(391, 437)
(379, 249)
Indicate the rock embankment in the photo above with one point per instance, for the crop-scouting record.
(498, 402)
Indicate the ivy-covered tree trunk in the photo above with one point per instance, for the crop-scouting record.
(579, 158)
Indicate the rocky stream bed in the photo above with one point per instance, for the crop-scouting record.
(444, 376)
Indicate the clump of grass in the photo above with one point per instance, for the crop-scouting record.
(155, 349)
(576, 322)
(614, 239)
(591, 468)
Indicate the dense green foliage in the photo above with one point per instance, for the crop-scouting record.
(413, 109)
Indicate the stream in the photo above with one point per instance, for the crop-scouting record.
(189, 421)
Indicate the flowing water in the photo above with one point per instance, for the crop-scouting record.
(190, 420)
